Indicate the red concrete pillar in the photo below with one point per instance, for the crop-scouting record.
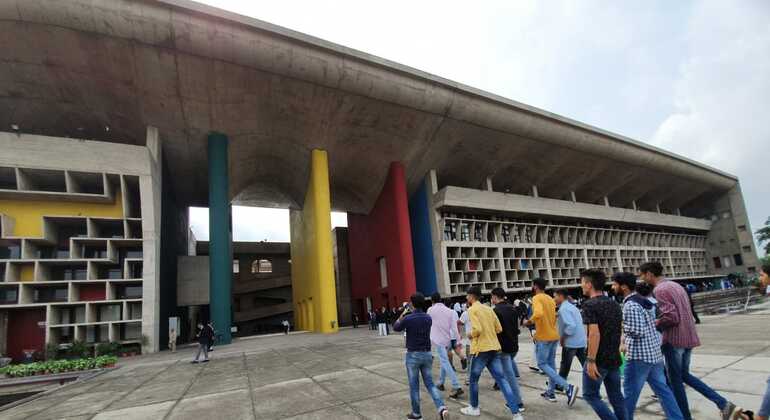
(383, 233)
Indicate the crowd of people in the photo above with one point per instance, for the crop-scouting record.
(645, 329)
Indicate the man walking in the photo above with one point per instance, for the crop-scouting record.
(644, 360)
(419, 358)
(546, 338)
(441, 337)
(509, 340)
(603, 318)
(486, 354)
(571, 332)
(679, 338)
(205, 337)
(382, 322)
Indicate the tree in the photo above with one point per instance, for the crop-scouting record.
(763, 236)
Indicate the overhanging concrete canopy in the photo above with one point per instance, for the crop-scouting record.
(76, 67)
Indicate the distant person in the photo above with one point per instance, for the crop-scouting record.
(210, 325)
(603, 318)
(419, 358)
(679, 338)
(172, 340)
(546, 339)
(486, 354)
(286, 326)
(205, 336)
(382, 322)
(644, 360)
(457, 308)
(372, 320)
(465, 323)
(355, 319)
(455, 346)
(442, 327)
(508, 316)
(572, 334)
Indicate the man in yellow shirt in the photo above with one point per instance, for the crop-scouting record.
(486, 353)
(546, 340)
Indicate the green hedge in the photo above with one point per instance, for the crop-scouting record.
(57, 366)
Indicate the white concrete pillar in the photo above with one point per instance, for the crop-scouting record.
(573, 196)
(534, 191)
(657, 207)
(489, 183)
(633, 203)
(606, 201)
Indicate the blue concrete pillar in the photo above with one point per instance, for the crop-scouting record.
(220, 236)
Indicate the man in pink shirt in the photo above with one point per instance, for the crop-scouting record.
(679, 338)
(441, 332)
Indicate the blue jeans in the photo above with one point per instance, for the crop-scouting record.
(611, 380)
(637, 373)
(509, 371)
(446, 367)
(764, 409)
(419, 363)
(678, 366)
(545, 352)
(492, 361)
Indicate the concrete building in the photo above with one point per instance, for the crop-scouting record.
(446, 186)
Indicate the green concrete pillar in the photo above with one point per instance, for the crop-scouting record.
(220, 236)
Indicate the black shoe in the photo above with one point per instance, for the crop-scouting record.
(464, 363)
(496, 387)
(413, 416)
(441, 387)
(456, 393)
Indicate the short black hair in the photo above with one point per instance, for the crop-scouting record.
(418, 300)
(541, 283)
(436, 297)
(475, 291)
(596, 277)
(562, 292)
(653, 267)
(643, 289)
(624, 278)
(499, 292)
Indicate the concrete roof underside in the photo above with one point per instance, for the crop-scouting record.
(72, 68)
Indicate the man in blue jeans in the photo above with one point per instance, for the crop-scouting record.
(644, 360)
(508, 316)
(603, 319)
(679, 338)
(419, 359)
(444, 326)
(486, 354)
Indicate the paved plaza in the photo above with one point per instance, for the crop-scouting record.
(355, 375)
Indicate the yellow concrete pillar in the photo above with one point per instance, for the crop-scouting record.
(311, 251)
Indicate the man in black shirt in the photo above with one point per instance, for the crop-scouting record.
(509, 339)
(419, 358)
(604, 322)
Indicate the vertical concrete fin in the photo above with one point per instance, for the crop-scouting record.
(313, 287)
(220, 236)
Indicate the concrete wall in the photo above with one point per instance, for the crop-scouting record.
(383, 233)
(731, 235)
(192, 280)
(422, 241)
(342, 276)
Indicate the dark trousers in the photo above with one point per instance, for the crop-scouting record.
(567, 354)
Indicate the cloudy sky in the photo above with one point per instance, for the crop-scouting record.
(692, 77)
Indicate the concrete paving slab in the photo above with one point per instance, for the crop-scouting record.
(356, 384)
(88, 403)
(744, 382)
(233, 405)
(753, 364)
(207, 384)
(291, 398)
(336, 413)
(267, 376)
(152, 393)
(141, 412)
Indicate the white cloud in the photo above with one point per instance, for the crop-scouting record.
(690, 76)
(722, 97)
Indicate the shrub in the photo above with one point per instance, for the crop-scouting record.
(78, 350)
(58, 366)
(107, 348)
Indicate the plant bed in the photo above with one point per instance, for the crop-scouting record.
(52, 367)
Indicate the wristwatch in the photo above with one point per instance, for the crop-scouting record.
(590, 360)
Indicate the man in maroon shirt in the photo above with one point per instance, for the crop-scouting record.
(679, 338)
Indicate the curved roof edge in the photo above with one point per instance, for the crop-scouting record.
(416, 73)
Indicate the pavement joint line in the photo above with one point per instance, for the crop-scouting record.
(153, 376)
(48, 392)
(181, 397)
(251, 389)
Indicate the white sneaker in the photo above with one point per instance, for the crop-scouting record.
(471, 411)
(518, 416)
